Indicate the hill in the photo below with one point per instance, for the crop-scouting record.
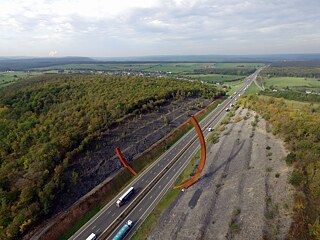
(47, 120)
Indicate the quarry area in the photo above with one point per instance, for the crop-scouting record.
(243, 192)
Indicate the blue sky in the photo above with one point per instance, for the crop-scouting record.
(118, 28)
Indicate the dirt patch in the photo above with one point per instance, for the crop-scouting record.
(243, 192)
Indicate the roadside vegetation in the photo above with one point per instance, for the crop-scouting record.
(298, 124)
(46, 120)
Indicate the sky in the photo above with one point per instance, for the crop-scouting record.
(121, 28)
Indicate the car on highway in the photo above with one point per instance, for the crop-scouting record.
(227, 109)
(92, 236)
(210, 129)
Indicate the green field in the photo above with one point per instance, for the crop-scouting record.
(145, 67)
(238, 65)
(216, 78)
(182, 68)
(10, 77)
(234, 86)
(293, 83)
(253, 89)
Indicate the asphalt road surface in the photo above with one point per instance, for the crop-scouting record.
(180, 153)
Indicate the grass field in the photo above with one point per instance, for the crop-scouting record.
(293, 83)
(253, 89)
(233, 86)
(217, 78)
(8, 78)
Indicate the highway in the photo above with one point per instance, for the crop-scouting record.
(155, 180)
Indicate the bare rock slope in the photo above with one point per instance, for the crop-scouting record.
(243, 192)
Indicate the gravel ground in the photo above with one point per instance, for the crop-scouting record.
(243, 192)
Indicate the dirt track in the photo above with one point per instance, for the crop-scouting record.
(243, 192)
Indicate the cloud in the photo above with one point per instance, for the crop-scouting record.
(53, 53)
(142, 27)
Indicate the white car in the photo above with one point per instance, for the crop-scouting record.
(210, 129)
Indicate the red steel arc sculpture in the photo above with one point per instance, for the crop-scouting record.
(203, 156)
(124, 162)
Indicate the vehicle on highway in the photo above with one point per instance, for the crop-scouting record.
(125, 197)
(92, 236)
(210, 129)
(227, 109)
(231, 105)
(123, 231)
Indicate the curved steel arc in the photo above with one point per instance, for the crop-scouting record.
(124, 162)
(203, 156)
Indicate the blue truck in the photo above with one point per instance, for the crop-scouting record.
(123, 231)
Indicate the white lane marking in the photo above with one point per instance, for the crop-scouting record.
(160, 186)
(151, 196)
(140, 209)
(98, 230)
(93, 227)
(113, 214)
(142, 179)
(174, 169)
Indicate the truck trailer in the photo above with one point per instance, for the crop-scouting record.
(123, 231)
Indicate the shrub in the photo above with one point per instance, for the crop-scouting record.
(295, 178)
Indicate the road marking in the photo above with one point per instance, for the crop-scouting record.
(113, 214)
(160, 186)
(150, 196)
(142, 179)
(98, 230)
(93, 227)
(167, 177)
(174, 169)
(140, 209)
(150, 171)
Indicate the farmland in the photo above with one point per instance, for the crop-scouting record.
(9, 77)
(293, 83)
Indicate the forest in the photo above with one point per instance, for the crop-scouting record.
(298, 124)
(46, 120)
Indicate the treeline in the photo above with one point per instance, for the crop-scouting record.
(291, 72)
(226, 71)
(299, 126)
(46, 120)
(297, 64)
(297, 96)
